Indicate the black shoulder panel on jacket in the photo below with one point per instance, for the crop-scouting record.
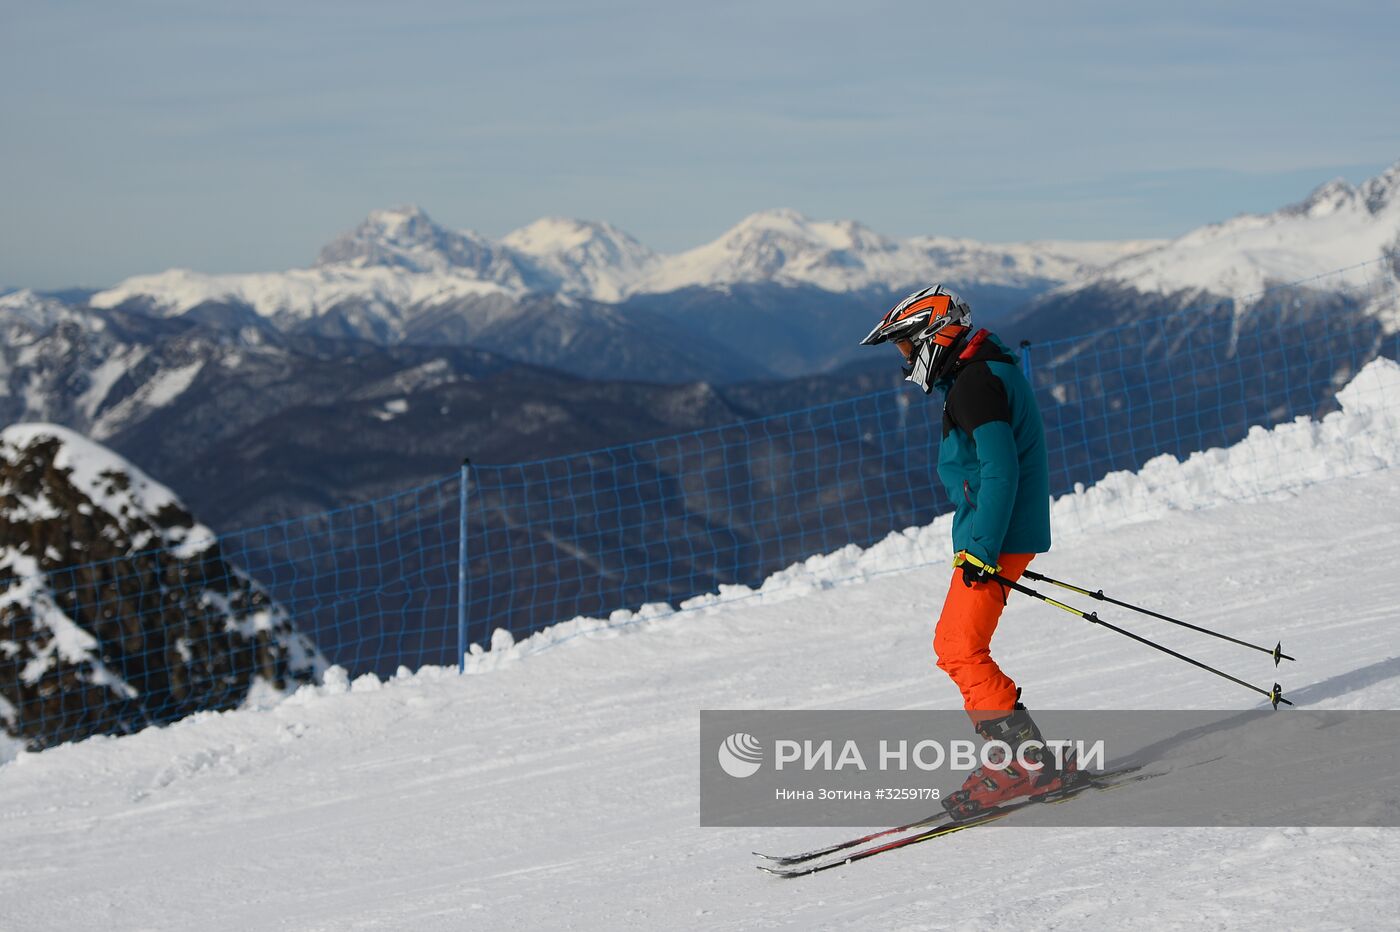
(977, 397)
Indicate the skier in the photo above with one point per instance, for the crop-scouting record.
(993, 462)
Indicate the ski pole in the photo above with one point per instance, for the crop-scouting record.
(1277, 651)
(1274, 695)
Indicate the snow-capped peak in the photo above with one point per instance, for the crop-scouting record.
(407, 238)
(399, 259)
(1327, 198)
(1382, 191)
(795, 227)
(394, 259)
(786, 246)
(581, 256)
(554, 235)
(406, 222)
(1337, 226)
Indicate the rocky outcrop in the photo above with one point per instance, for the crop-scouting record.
(117, 609)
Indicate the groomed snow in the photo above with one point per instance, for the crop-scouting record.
(559, 790)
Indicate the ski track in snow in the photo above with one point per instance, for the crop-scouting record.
(558, 788)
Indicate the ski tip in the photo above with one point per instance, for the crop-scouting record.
(776, 872)
(779, 858)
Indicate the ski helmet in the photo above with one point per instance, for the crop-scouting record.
(930, 328)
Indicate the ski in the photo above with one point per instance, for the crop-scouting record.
(1106, 781)
(939, 832)
(939, 816)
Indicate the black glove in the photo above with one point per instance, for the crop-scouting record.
(974, 571)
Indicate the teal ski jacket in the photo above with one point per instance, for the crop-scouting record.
(993, 459)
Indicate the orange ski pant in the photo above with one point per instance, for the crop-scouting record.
(962, 640)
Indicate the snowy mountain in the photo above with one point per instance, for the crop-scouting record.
(785, 247)
(581, 258)
(401, 277)
(99, 372)
(591, 299)
(578, 804)
(253, 425)
(152, 625)
(1223, 293)
(399, 262)
(406, 238)
(1337, 226)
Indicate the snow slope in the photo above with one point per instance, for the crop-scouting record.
(557, 788)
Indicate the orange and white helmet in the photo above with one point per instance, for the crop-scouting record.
(930, 328)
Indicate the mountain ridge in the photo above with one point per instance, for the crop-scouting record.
(401, 256)
(1336, 227)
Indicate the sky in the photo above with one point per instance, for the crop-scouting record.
(224, 137)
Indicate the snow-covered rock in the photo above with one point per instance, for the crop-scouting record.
(117, 610)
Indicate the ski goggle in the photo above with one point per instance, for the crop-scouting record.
(933, 356)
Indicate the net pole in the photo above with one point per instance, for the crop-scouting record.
(462, 567)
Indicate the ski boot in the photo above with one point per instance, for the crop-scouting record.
(990, 787)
